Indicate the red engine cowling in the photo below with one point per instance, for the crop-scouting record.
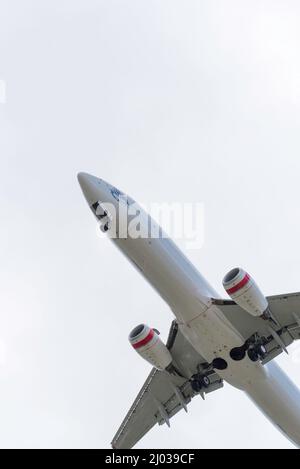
(241, 287)
(147, 343)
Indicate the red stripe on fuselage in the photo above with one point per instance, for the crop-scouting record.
(144, 341)
(240, 285)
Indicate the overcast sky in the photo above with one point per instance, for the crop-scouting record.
(171, 101)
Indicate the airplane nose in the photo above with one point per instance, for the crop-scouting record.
(90, 186)
(82, 178)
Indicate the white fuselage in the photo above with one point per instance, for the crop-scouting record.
(189, 296)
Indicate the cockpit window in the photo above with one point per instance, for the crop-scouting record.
(99, 211)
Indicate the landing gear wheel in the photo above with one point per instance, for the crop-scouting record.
(257, 353)
(238, 353)
(220, 364)
(196, 385)
(200, 382)
(206, 381)
(253, 355)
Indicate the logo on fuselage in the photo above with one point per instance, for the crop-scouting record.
(116, 194)
(120, 196)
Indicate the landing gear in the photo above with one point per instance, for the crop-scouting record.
(206, 381)
(257, 352)
(253, 347)
(237, 354)
(200, 383)
(219, 364)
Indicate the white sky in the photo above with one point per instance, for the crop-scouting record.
(171, 101)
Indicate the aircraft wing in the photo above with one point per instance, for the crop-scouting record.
(276, 338)
(165, 394)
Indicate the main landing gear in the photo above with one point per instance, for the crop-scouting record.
(253, 347)
(200, 383)
(256, 353)
(201, 380)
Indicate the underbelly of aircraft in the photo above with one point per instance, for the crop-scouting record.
(214, 338)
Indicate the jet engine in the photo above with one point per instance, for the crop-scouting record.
(241, 288)
(147, 343)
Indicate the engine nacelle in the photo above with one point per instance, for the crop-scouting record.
(244, 291)
(147, 343)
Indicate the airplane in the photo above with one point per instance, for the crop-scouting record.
(212, 340)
